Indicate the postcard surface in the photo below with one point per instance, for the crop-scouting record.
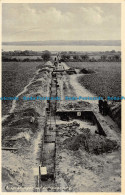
(62, 100)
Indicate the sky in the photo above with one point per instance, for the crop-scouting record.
(40, 22)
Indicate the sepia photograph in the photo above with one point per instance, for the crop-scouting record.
(61, 97)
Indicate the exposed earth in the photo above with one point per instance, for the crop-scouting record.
(85, 160)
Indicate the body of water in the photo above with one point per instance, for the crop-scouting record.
(61, 48)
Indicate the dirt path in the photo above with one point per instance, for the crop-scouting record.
(81, 90)
(75, 88)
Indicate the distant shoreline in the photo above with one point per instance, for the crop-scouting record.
(65, 43)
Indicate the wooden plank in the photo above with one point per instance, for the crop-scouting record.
(49, 139)
(49, 157)
(10, 140)
(6, 148)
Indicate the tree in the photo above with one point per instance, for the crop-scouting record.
(76, 57)
(92, 59)
(85, 57)
(109, 59)
(46, 55)
(65, 57)
(103, 58)
(113, 51)
(68, 56)
(117, 58)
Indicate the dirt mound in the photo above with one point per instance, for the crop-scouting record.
(95, 144)
(39, 76)
(18, 142)
(44, 69)
(40, 66)
(71, 71)
(76, 106)
(12, 177)
(30, 112)
(74, 123)
(35, 84)
(115, 112)
(8, 119)
(42, 74)
(21, 121)
(68, 129)
(86, 71)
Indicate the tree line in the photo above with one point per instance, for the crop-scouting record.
(65, 56)
(87, 58)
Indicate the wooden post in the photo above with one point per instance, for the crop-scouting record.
(39, 178)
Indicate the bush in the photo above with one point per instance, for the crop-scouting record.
(46, 55)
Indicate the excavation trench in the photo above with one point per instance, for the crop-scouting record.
(68, 139)
(79, 145)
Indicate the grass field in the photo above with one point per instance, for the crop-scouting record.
(24, 57)
(15, 76)
(106, 81)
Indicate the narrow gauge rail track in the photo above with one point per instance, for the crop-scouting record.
(46, 179)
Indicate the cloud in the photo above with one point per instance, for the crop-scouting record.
(23, 22)
(92, 15)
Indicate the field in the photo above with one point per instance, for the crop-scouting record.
(25, 57)
(15, 76)
(106, 81)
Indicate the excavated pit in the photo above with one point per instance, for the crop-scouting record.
(75, 136)
(95, 144)
(81, 156)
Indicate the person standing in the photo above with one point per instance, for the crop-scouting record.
(105, 107)
(101, 105)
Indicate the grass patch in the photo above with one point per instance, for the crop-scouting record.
(15, 76)
(105, 82)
